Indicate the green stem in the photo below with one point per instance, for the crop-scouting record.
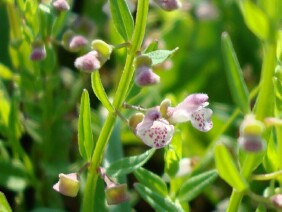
(122, 90)
(263, 108)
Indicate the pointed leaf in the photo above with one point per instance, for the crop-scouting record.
(122, 18)
(195, 185)
(234, 74)
(99, 91)
(152, 181)
(152, 46)
(255, 19)
(160, 56)
(129, 164)
(158, 202)
(4, 205)
(227, 169)
(85, 137)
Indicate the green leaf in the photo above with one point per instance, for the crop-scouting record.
(227, 169)
(13, 176)
(99, 91)
(4, 205)
(85, 137)
(158, 202)
(160, 56)
(152, 46)
(129, 164)
(171, 162)
(279, 46)
(5, 106)
(152, 181)
(6, 73)
(255, 19)
(195, 185)
(122, 18)
(234, 74)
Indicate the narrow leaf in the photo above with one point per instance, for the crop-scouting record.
(129, 164)
(4, 205)
(158, 202)
(152, 181)
(195, 185)
(234, 74)
(160, 56)
(227, 169)
(152, 46)
(255, 19)
(85, 137)
(122, 18)
(171, 162)
(99, 91)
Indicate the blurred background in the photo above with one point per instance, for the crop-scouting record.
(48, 112)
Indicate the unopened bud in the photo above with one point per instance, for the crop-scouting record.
(38, 51)
(251, 126)
(61, 5)
(168, 5)
(116, 194)
(135, 120)
(277, 200)
(143, 60)
(251, 143)
(68, 184)
(103, 49)
(165, 104)
(146, 77)
(88, 62)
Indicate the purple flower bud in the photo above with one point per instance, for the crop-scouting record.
(146, 77)
(61, 5)
(88, 62)
(168, 5)
(155, 131)
(251, 143)
(77, 42)
(38, 53)
(68, 184)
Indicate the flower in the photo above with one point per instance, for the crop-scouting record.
(168, 5)
(68, 184)
(251, 143)
(88, 62)
(146, 77)
(192, 109)
(38, 51)
(61, 5)
(154, 130)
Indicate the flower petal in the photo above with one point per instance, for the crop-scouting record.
(201, 119)
(155, 134)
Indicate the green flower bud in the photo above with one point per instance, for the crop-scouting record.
(251, 126)
(165, 104)
(116, 194)
(68, 184)
(143, 60)
(135, 120)
(103, 49)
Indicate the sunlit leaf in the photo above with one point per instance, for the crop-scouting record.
(152, 181)
(227, 169)
(234, 74)
(129, 164)
(158, 202)
(85, 137)
(195, 185)
(152, 46)
(160, 56)
(255, 19)
(171, 162)
(122, 18)
(99, 91)
(4, 205)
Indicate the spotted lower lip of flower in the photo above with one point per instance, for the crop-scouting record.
(155, 133)
(201, 119)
